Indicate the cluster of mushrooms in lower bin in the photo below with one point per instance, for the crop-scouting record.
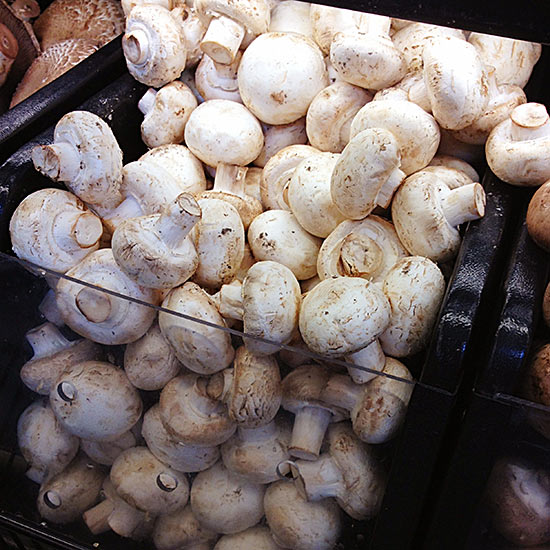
(333, 201)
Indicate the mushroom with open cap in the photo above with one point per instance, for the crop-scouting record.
(53, 353)
(416, 131)
(63, 497)
(172, 452)
(8, 52)
(414, 287)
(254, 453)
(299, 524)
(156, 251)
(85, 156)
(46, 446)
(517, 497)
(329, 115)
(377, 409)
(99, 316)
(538, 214)
(254, 538)
(280, 136)
(191, 416)
(216, 80)
(366, 248)
(166, 113)
(426, 214)
(279, 75)
(116, 514)
(302, 389)
(349, 471)
(251, 389)
(95, 400)
(276, 235)
(366, 174)
(154, 45)
(224, 502)
(150, 362)
(181, 530)
(201, 348)
(517, 148)
(146, 483)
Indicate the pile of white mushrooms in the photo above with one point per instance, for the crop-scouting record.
(329, 211)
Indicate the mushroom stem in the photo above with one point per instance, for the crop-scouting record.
(360, 256)
(125, 520)
(177, 220)
(136, 46)
(229, 300)
(93, 304)
(464, 204)
(97, 518)
(308, 432)
(220, 384)
(389, 187)
(73, 230)
(59, 161)
(262, 433)
(340, 391)
(223, 39)
(317, 480)
(146, 103)
(529, 121)
(48, 308)
(371, 357)
(26, 9)
(46, 340)
(199, 400)
(128, 208)
(230, 179)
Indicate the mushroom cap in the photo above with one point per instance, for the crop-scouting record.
(200, 348)
(98, 316)
(205, 424)
(256, 538)
(273, 85)
(517, 497)
(95, 401)
(291, 16)
(378, 415)
(276, 235)
(279, 136)
(538, 215)
(455, 163)
(452, 177)
(256, 457)
(329, 115)
(150, 362)
(223, 131)
(251, 14)
(224, 502)
(165, 122)
(43, 442)
(271, 301)
(100, 20)
(516, 148)
(366, 248)
(65, 496)
(416, 131)
(343, 315)
(414, 287)
(54, 61)
(170, 451)
(180, 529)
(299, 524)
(536, 386)
(309, 194)
(147, 484)
(106, 452)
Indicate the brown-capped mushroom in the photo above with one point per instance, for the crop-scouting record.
(537, 217)
(8, 52)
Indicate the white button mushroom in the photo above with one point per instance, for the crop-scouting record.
(129, 5)
(65, 496)
(279, 136)
(53, 353)
(191, 416)
(218, 81)
(46, 446)
(106, 452)
(348, 471)
(254, 453)
(426, 214)
(97, 315)
(156, 251)
(153, 44)
(254, 538)
(299, 524)
(179, 456)
(224, 502)
(291, 16)
(517, 147)
(95, 401)
(199, 347)
(85, 156)
(414, 287)
(279, 75)
(166, 113)
(455, 163)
